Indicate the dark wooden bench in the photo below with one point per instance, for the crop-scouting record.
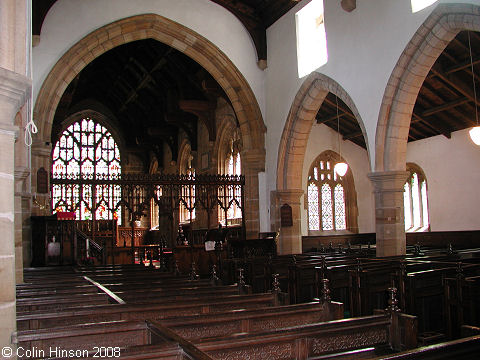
(60, 302)
(89, 314)
(461, 349)
(462, 305)
(304, 342)
(254, 320)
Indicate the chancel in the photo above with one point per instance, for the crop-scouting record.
(214, 179)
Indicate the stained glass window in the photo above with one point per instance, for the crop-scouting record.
(327, 211)
(326, 195)
(415, 200)
(313, 219)
(340, 220)
(87, 150)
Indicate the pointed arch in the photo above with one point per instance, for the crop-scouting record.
(402, 89)
(152, 26)
(190, 43)
(299, 122)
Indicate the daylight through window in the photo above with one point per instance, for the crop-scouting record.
(87, 150)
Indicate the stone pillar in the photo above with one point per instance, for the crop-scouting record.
(22, 222)
(389, 213)
(253, 162)
(14, 88)
(290, 237)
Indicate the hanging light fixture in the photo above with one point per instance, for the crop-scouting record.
(475, 131)
(340, 167)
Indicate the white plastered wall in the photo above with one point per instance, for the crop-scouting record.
(323, 138)
(68, 21)
(452, 169)
(363, 48)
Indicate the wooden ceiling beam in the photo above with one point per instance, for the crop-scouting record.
(340, 107)
(352, 135)
(464, 65)
(453, 81)
(144, 80)
(439, 129)
(331, 118)
(446, 106)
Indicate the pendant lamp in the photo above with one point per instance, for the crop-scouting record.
(475, 131)
(340, 167)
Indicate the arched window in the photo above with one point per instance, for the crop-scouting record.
(331, 200)
(415, 200)
(86, 150)
(187, 196)
(231, 195)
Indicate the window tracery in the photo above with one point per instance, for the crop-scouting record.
(331, 202)
(87, 150)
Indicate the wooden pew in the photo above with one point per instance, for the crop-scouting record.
(89, 314)
(125, 340)
(85, 337)
(60, 302)
(461, 349)
(194, 328)
(462, 305)
(303, 342)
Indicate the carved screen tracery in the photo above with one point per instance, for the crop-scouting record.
(86, 150)
(230, 206)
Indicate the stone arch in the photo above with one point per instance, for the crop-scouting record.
(402, 89)
(166, 31)
(291, 154)
(293, 143)
(187, 41)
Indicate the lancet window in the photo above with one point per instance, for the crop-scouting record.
(415, 200)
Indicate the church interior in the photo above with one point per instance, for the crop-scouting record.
(239, 179)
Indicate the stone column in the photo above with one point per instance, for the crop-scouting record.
(253, 162)
(22, 222)
(14, 88)
(290, 237)
(389, 213)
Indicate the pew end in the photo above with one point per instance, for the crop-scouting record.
(403, 334)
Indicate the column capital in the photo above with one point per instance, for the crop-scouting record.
(291, 196)
(384, 181)
(14, 90)
(21, 173)
(255, 158)
(39, 148)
